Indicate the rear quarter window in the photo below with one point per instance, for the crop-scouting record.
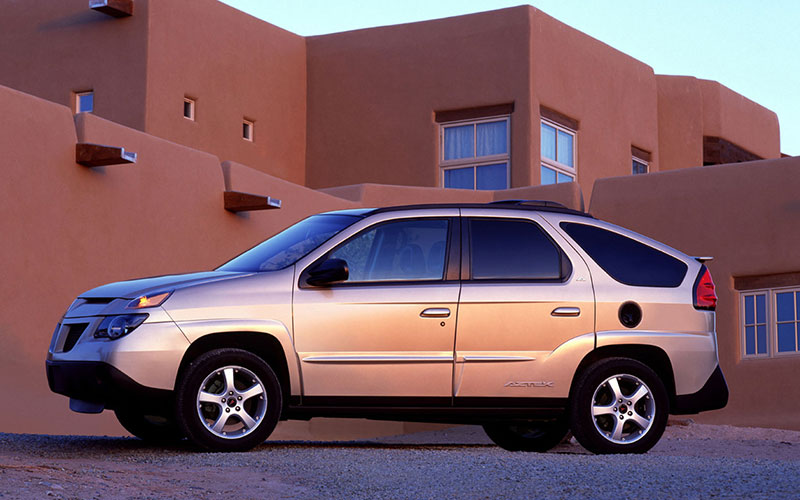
(627, 260)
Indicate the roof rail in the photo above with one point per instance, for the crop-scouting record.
(529, 203)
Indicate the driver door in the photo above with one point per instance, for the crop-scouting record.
(389, 329)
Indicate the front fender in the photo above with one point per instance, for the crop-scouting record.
(194, 330)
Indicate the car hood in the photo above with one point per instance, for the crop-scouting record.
(136, 288)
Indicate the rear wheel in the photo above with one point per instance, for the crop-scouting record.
(532, 436)
(228, 400)
(619, 405)
(150, 428)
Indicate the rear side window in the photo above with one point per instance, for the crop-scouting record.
(626, 260)
(513, 249)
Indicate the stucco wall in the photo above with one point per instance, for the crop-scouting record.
(67, 228)
(236, 67)
(54, 48)
(372, 95)
(690, 108)
(745, 216)
(610, 94)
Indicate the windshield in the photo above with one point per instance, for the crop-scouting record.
(291, 244)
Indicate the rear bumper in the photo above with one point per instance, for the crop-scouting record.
(712, 396)
(102, 386)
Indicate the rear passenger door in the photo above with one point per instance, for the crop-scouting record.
(526, 312)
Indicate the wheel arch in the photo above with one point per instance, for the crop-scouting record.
(263, 345)
(654, 357)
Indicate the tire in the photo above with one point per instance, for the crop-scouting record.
(533, 436)
(618, 405)
(151, 428)
(228, 400)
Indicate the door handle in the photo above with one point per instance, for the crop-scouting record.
(566, 311)
(435, 312)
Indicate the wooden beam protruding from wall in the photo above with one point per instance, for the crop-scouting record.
(113, 8)
(98, 155)
(236, 201)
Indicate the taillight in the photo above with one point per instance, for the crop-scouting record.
(704, 295)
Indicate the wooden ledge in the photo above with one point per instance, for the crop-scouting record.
(97, 155)
(113, 8)
(236, 201)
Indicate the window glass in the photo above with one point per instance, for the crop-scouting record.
(785, 310)
(492, 138)
(626, 260)
(548, 142)
(459, 178)
(755, 324)
(564, 148)
(290, 245)
(85, 102)
(406, 250)
(491, 176)
(784, 305)
(459, 142)
(548, 175)
(564, 178)
(512, 249)
(761, 308)
(639, 167)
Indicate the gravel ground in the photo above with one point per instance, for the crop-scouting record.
(691, 461)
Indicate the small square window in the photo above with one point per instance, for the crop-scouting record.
(84, 102)
(247, 130)
(188, 108)
(639, 166)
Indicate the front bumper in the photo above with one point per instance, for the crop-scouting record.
(712, 396)
(102, 386)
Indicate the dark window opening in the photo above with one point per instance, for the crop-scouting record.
(513, 249)
(626, 260)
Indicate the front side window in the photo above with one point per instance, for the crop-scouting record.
(475, 154)
(770, 322)
(558, 153)
(291, 244)
(404, 250)
(512, 249)
(625, 259)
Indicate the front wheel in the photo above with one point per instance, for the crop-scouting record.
(618, 405)
(228, 400)
(526, 436)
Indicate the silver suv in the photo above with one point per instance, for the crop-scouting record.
(525, 317)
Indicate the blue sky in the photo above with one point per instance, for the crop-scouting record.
(751, 47)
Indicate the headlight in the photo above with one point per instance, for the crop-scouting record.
(114, 327)
(148, 301)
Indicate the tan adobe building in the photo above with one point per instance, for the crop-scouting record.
(500, 104)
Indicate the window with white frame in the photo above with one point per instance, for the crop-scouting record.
(558, 153)
(84, 101)
(639, 166)
(475, 153)
(188, 108)
(770, 322)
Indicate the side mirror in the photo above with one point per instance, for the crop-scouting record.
(327, 272)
